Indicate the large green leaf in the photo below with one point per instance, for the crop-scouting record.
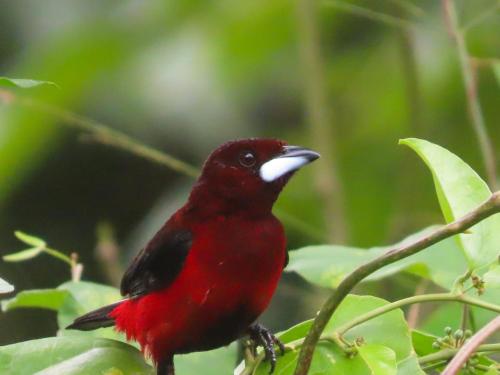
(83, 297)
(327, 265)
(460, 189)
(5, 287)
(51, 299)
(410, 366)
(72, 355)
(380, 359)
(386, 340)
(213, 362)
(492, 277)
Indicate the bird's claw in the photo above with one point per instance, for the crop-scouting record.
(260, 335)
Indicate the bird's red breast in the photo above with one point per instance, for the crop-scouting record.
(228, 279)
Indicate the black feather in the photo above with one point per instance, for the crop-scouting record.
(158, 264)
(95, 319)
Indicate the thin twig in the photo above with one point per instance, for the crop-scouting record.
(409, 7)
(448, 353)
(414, 311)
(481, 17)
(488, 208)
(370, 14)
(411, 77)
(320, 119)
(472, 96)
(107, 252)
(436, 297)
(102, 133)
(471, 346)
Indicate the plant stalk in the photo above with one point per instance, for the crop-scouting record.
(488, 208)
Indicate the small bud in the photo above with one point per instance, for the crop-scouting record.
(468, 333)
(458, 334)
(436, 345)
(448, 330)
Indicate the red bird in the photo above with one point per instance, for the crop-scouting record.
(211, 270)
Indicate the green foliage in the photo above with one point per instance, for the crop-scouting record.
(327, 265)
(459, 190)
(382, 342)
(101, 346)
(39, 246)
(24, 83)
(51, 299)
(72, 356)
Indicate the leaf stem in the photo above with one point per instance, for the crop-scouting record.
(466, 300)
(472, 346)
(448, 353)
(488, 208)
(472, 96)
(370, 14)
(102, 133)
(59, 255)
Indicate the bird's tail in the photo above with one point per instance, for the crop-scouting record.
(95, 319)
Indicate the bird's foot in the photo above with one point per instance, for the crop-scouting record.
(260, 335)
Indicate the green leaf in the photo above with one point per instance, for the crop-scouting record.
(380, 359)
(327, 265)
(410, 366)
(460, 189)
(84, 297)
(72, 355)
(422, 342)
(24, 83)
(5, 287)
(388, 332)
(213, 362)
(30, 240)
(23, 255)
(496, 71)
(492, 277)
(51, 299)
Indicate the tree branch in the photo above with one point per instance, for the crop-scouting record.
(320, 119)
(102, 133)
(488, 208)
(472, 97)
(471, 346)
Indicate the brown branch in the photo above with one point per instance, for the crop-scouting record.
(488, 208)
(471, 92)
(471, 346)
(101, 133)
(320, 119)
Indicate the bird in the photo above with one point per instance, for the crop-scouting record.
(209, 272)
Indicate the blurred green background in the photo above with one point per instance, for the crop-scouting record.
(184, 76)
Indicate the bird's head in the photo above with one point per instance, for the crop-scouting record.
(249, 173)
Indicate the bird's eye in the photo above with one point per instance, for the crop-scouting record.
(247, 159)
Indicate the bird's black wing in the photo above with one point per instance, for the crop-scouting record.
(158, 264)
